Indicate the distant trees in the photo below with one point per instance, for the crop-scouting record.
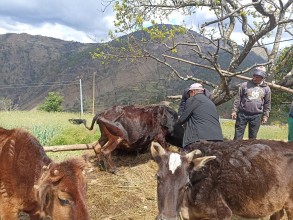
(7, 104)
(53, 103)
(228, 22)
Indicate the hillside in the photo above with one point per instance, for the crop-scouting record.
(32, 66)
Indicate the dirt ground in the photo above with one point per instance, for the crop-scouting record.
(128, 195)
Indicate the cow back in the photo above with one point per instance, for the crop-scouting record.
(249, 178)
(139, 125)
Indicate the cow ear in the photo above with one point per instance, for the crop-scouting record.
(157, 150)
(190, 155)
(201, 161)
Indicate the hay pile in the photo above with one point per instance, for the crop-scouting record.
(129, 195)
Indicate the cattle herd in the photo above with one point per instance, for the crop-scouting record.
(247, 178)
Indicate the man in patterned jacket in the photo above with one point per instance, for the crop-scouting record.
(252, 105)
(290, 124)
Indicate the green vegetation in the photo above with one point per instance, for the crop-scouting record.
(272, 132)
(54, 129)
(52, 103)
(51, 128)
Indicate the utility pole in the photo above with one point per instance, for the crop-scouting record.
(81, 104)
(94, 89)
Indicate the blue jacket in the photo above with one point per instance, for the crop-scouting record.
(202, 120)
(184, 98)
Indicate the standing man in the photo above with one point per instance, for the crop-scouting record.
(290, 124)
(252, 105)
(185, 96)
(201, 118)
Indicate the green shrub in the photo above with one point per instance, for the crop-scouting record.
(52, 103)
(78, 135)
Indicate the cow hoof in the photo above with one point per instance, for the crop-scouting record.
(101, 165)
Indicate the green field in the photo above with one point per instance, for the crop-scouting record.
(55, 129)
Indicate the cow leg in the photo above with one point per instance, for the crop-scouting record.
(97, 148)
(107, 149)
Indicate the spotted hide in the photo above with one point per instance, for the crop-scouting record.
(134, 128)
(247, 178)
(31, 182)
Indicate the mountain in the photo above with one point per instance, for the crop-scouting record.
(32, 66)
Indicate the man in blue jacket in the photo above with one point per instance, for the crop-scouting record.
(201, 118)
(185, 96)
(252, 105)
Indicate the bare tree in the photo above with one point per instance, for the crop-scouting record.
(256, 20)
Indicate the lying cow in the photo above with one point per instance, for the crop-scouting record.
(133, 128)
(251, 179)
(31, 182)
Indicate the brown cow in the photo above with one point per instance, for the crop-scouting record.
(31, 182)
(251, 179)
(132, 128)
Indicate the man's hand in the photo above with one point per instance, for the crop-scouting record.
(265, 119)
(233, 115)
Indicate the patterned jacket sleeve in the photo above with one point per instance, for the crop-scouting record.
(236, 103)
(267, 102)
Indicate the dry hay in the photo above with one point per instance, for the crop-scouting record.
(128, 195)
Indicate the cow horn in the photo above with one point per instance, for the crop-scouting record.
(56, 172)
(201, 161)
(157, 149)
(190, 155)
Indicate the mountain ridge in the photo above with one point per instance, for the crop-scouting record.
(29, 63)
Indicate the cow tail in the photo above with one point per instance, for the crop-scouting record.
(93, 122)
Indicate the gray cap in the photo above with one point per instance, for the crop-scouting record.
(258, 72)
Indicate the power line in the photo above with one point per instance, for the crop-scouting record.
(35, 85)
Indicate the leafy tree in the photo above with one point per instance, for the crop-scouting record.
(282, 100)
(52, 103)
(258, 20)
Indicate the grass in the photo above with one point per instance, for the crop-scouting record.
(50, 128)
(272, 132)
(55, 129)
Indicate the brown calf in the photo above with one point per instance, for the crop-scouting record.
(251, 179)
(33, 183)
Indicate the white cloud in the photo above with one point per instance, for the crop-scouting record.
(78, 20)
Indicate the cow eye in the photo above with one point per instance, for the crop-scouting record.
(64, 202)
(64, 198)
(159, 178)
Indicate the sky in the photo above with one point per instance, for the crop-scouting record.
(72, 20)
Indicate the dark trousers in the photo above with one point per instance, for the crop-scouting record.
(253, 121)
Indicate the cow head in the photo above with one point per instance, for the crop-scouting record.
(61, 191)
(169, 119)
(173, 178)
